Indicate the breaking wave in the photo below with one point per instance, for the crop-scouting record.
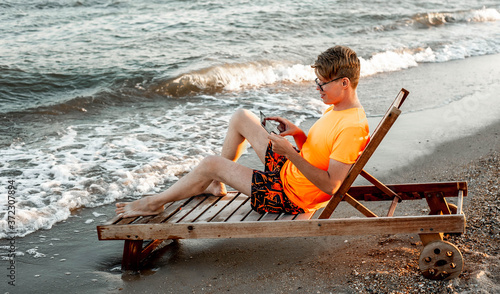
(432, 19)
(441, 18)
(232, 77)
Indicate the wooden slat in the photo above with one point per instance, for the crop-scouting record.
(200, 209)
(150, 248)
(128, 220)
(144, 219)
(156, 218)
(215, 208)
(270, 217)
(400, 98)
(304, 216)
(114, 220)
(321, 227)
(379, 184)
(460, 201)
(169, 211)
(317, 213)
(117, 219)
(392, 208)
(397, 103)
(239, 214)
(252, 216)
(187, 208)
(360, 207)
(408, 191)
(285, 216)
(233, 207)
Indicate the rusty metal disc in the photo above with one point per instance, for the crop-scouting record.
(440, 260)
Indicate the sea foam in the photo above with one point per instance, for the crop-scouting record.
(93, 164)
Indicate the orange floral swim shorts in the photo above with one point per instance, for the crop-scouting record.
(267, 188)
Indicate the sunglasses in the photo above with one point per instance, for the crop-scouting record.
(321, 85)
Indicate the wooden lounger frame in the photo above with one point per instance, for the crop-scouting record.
(232, 217)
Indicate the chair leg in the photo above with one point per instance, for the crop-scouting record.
(437, 203)
(427, 238)
(131, 255)
(392, 208)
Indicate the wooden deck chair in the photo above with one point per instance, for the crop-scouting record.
(203, 217)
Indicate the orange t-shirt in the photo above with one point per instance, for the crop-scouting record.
(338, 135)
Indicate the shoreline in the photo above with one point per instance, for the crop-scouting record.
(72, 259)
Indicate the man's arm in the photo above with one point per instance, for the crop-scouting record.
(327, 181)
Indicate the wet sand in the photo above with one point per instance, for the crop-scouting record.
(448, 143)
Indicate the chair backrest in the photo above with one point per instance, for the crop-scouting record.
(398, 101)
(377, 136)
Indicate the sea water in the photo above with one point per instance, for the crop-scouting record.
(103, 100)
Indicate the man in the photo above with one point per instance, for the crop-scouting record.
(292, 182)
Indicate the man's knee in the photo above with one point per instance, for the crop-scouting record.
(210, 163)
(240, 115)
(242, 112)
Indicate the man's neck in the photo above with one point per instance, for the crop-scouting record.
(349, 101)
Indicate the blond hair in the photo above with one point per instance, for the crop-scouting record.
(338, 61)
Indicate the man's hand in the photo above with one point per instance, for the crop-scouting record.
(281, 145)
(287, 128)
(327, 181)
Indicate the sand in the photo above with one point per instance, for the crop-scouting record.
(459, 141)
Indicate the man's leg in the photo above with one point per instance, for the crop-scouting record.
(212, 168)
(243, 126)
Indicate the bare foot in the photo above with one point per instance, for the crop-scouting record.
(216, 188)
(143, 206)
